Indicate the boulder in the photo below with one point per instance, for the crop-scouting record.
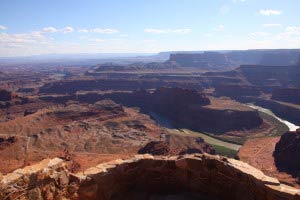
(286, 152)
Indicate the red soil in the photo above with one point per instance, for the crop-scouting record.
(258, 152)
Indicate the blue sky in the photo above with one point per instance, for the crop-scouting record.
(31, 27)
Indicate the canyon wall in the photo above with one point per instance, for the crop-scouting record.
(236, 91)
(5, 95)
(196, 176)
(186, 108)
(291, 95)
(284, 76)
(201, 60)
(279, 59)
(72, 86)
(281, 109)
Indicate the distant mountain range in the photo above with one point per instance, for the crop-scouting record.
(218, 58)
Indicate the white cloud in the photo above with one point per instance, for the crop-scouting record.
(2, 27)
(67, 29)
(99, 30)
(22, 38)
(49, 30)
(52, 29)
(105, 31)
(156, 31)
(293, 29)
(83, 30)
(181, 31)
(290, 32)
(271, 25)
(259, 34)
(269, 12)
(165, 31)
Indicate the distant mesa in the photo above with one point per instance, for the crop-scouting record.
(203, 60)
(226, 59)
(215, 60)
(279, 59)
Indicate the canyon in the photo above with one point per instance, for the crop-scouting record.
(76, 130)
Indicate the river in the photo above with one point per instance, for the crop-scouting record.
(292, 127)
(164, 122)
(167, 124)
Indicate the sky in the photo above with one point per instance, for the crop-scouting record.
(34, 27)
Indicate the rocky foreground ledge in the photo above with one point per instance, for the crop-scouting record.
(196, 176)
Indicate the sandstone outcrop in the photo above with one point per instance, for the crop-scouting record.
(286, 153)
(197, 176)
(48, 179)
(155, 148)
(168, 147)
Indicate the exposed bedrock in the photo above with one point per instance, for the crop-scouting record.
(264, 78)
(219, 121)
(72, 86)
(286, 153)
(186, 108)
(291, 95)
(187, 145)
(196, 176)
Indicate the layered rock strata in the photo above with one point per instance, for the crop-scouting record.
(197, 176)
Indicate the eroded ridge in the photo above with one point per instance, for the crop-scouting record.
(196, 176)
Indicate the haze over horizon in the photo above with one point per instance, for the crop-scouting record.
(63, 27)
